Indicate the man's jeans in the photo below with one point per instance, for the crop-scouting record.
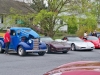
(7, 47)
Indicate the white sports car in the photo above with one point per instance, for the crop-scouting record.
(77, 43)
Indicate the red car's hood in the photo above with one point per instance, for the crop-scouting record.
(81, 72)
(95, 41)
(76, 67)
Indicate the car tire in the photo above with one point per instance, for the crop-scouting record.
(73, 48)
(91, 50)
(41, 53)
(21, 51)
(48, 49)
(1, 50)
(65, 52)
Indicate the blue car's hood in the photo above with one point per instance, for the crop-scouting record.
(27, 32)
(33, 33)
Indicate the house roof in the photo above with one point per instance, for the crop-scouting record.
(5, 6)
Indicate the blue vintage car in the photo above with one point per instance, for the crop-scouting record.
(24, 40)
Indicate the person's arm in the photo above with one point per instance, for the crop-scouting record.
(96, 34)
(8, 37)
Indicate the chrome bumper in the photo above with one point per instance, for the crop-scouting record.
(41, 50)
(84, 48)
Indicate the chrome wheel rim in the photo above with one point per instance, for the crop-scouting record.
(20, 51)
(0, 48)
(72, 48)
(47, 48)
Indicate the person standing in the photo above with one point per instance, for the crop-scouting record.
(94, 34)
(90, 33)
(85, 35)
(7, 40)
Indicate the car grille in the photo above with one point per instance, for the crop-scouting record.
(35, 44)
(83, 47)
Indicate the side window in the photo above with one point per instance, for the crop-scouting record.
(12, 33)
(88, 38)
(18, 32)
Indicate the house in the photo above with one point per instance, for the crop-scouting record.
(26, 1)
(6, 5)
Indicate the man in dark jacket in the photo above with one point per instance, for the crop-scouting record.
(94, 34)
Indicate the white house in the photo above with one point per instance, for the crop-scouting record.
(6, 5)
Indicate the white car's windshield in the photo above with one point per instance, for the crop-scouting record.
(74, 39)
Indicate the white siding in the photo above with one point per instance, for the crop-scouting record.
(0, 19)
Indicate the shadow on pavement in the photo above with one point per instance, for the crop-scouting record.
(83, 51)
(58, 53)
(27, 54)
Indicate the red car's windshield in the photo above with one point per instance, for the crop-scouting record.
(92, 38)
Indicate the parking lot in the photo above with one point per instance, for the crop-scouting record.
(32, 64)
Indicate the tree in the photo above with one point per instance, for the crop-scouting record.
(72, 24)
(86, 13)
(49, 18)
(58, 13)
(16, 17)
(37, 5)
(83, 11)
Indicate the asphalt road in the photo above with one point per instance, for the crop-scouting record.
(32, 64)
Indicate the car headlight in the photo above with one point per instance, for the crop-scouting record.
(40, 41)
(29, 41)
(78, 47)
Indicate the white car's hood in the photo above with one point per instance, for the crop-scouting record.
(82, 44)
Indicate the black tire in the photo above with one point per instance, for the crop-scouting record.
(91, 50)
(1, 50)
(65, 52)
(48, 49)
(21, 51)
(41, 53)
(73, 48)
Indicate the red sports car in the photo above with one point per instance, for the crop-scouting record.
(77, 68)
(94, 40)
